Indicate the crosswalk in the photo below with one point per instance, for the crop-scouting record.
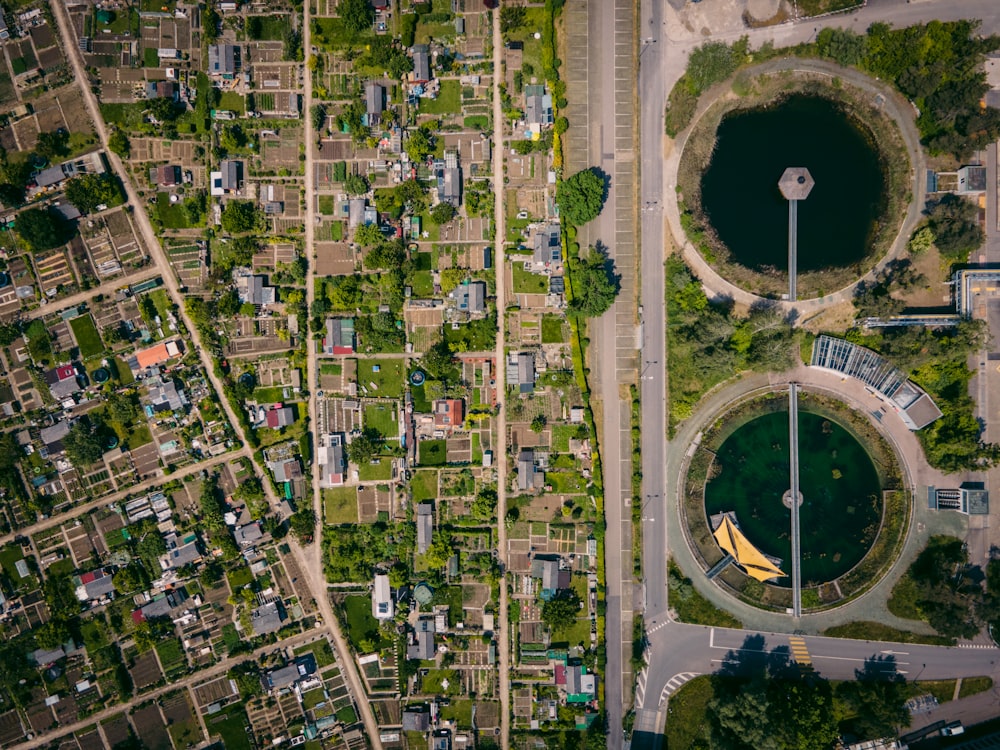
(800, 652)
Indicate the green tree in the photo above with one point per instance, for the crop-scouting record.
(385, 255)
(41, 229)
(921, 241)
(443, 212)
(484, 507)
(52, 634)
(53, 145)
(581, 197)
(419, 144)
(247, 676)
(121, 408)
(365, 447)
(512, 17)
(440, 551)
(538, 423)
(594, 285)
(83, 447)
(210, 506)
(318, 116)
(356, 184)
(10, 331)
(240, 216)
(233, 138)
(119, 143)
(368, 235)
(357, 15)
(955, 224)
(561, 611)
(438, 360)
(89, 191)
(303, 524)
(877, 699)
(130, 578)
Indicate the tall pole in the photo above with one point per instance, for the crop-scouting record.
(793, 431)
(795, 185)
(793, 247)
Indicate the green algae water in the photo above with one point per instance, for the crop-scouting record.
(740, 196)
(841, 507)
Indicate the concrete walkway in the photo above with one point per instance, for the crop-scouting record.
(917, 476)
(894, 106)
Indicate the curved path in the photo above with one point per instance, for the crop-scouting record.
(894, 105)
(870, 606)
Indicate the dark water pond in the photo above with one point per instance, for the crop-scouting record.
(841, 506)
(740, 187)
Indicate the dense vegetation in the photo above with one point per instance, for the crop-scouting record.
(937, 360)
(765, 701)
(709, 343)
(944, 589)
(581, 196)
(938, 66)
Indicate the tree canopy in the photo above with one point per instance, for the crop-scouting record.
(41, 229)
(954, 223)
(89, 191)
(581, 197)
(595, 285)
(365, 447)
(357, 15)
(240, 216)
(83, 447)
(560, 612)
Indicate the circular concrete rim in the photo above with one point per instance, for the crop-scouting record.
(709, 418)
(893, 105)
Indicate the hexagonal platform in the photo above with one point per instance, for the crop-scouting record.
(796, 183)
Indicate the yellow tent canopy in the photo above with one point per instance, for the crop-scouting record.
(747, 556)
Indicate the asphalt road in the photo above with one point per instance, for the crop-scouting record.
(668, 32)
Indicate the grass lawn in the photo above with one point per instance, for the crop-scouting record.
(432, 453)
(138, 436)
(422, 284)
(8, 560)
(688, 708)
(421, 404)
(384, 418)
(552, 329)
(232, 727)
(87, 337)
(321, 650)
(95, 636)
(477, 122)
(974, 685)
(561, 434)
(564, 483)
(172, 658)
(376, 472)
(239, 577)
(449, 100)
(361, 625)
(272, 28)
(434, 682)
(327, 205)
(577, 634)
(171, 214)
(331, 368)
(529, 283)
(696, 608)
(388, 377)
(186, 733)
(149, 57)
(340, 505)
(866, 630)
(424, 485)
(233, 102)
(474, 336)
(459, 711)
(331, 34)
(347, 714)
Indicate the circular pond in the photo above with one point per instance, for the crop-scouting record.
(739, 189)
(841, 493)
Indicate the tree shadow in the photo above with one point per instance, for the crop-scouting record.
(879, 668)
(753, 660)
(601, 250)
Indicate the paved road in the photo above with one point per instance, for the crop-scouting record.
(603, 136)
(108, 287)
(500, 374)
(668, 32)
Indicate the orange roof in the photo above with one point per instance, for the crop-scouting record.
(154, 355)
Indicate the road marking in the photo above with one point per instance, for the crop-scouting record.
(800, 652)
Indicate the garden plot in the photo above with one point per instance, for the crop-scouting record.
(278, 76)
(146, 670)
(335, 149)
(334, 259)
(188, 262)
(182, 724)
(338, 376)
(271, 255)
(274, 373)
(218, 690)
(283, 151)
(264, 52)
(149, 725)
(53, 271)
(472, 229)
(50, 117)
(372, 500)
(102, 252)
(26, 133)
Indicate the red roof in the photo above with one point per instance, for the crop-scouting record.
(343, 350)
(66, 372)
(560, 671)
(138, 616)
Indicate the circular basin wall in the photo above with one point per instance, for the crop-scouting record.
(841, 493)
(739, 189)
